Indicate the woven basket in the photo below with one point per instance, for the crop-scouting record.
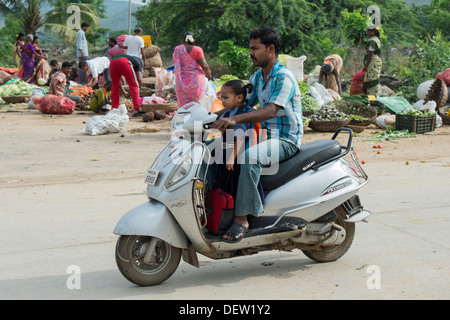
(358, 109)
(442, 112)
(328, 126)
(357, 129)
(438, 93)
(16, 99)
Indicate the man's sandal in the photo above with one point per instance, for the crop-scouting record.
(237, 231)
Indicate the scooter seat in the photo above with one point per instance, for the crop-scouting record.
(310, 153)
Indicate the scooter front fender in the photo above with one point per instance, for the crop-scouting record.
(152, 219)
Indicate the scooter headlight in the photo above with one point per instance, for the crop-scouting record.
(179, 172)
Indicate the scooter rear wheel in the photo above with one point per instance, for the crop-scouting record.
(334, 253)
(130, 254)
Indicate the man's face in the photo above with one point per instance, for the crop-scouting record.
(67, 70)
(110, 43)
(85, 29)
(259, 53)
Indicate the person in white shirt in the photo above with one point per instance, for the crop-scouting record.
(96, 67)
(135, 45)
(82, 49)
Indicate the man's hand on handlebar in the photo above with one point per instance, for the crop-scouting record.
(223, 123)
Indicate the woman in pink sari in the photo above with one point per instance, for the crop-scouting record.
(190, 71)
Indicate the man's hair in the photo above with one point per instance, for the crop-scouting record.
(85, 24)
(113, 40)
(66, 64)
(54, 63)
(267, 37)
(82, 64)
(137, 30)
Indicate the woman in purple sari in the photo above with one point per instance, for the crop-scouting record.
(190, 71)
(26, 72)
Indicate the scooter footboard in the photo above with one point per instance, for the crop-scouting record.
(152, 219)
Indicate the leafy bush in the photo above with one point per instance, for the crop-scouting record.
(432, 56)
(237, 59)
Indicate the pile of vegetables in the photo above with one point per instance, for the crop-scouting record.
(303, 86)
(16, 87)
(309, 103)
(224, 78)
(392, 134)
(356, 117)
(416, 112)
(328, 114)
(81, 91)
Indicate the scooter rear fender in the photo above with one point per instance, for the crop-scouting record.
(152, 219)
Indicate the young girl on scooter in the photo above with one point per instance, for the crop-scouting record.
(233, 94)
(244, 135)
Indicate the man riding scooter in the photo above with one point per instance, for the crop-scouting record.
(276, 89)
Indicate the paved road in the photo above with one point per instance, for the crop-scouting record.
(61, 193)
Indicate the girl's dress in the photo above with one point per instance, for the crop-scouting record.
(239, 135)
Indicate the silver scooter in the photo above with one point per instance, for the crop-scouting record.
(310, 204)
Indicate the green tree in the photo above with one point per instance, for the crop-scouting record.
(214, 20)
(31, 18)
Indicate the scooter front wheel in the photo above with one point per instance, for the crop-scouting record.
(146, 261)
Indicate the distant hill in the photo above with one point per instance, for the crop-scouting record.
(418, 2)
(117, 12)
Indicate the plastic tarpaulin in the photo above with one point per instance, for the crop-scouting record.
(394, 104)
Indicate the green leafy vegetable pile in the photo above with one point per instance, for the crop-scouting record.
(16, 87)
(416, 112)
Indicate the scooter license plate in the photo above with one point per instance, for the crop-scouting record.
(152, 176)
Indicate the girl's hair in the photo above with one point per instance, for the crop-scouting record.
(21, 34)
(239, 87)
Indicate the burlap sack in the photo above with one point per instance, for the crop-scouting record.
(151, 51)
(155, 62)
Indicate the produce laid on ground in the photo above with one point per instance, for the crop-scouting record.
(52, 104)
(328, 114)
(16, 87)
(81, 91)
(419, 113)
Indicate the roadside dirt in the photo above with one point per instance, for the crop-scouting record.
(39, 148)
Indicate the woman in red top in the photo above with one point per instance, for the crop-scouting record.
(190, 71)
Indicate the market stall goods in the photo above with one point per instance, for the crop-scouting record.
(53, 104)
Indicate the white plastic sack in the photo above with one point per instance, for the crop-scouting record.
(296, 66)
(313, 77)
(320, 94)
(114, 121)
(207, 102)
(37, 92)
(210, 88)
(423, 89)
(384, 120)
(316, 95)
(429, 106)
